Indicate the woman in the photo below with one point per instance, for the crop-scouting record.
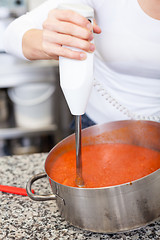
(127, 55)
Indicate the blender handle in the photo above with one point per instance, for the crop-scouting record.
(36, 197)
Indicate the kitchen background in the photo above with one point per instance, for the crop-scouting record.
(33, 113)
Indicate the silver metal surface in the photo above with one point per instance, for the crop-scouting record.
(34, 196)
(117, 208)
(79, 178)
(21, 71)
(7, 132)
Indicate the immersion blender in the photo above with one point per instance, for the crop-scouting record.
(76, 78)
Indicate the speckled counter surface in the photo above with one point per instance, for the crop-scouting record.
(22, 218)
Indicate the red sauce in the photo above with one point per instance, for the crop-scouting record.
(106, 165)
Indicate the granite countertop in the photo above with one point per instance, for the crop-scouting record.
(22, 219)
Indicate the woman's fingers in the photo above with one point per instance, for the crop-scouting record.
(53, 49)
(68, 22)
(72, 17)
(67, 40)
(68, 28)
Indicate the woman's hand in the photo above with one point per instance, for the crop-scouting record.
(61, 28)
(66, 27)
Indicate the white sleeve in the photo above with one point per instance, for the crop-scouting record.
(31, 20)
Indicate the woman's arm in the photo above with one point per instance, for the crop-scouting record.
(41, 33)
(62, 27)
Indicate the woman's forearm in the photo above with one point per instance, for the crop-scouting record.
(61, 28)
(42, 33)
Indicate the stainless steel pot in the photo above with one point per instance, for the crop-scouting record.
(109, 209)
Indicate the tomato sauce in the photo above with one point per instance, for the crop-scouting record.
(106, 165)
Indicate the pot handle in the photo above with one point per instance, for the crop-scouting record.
(34, 196)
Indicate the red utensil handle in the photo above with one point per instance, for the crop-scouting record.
(14, 190)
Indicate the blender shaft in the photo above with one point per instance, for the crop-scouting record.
(79, 178)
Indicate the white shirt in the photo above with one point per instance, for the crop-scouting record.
(127, 57)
